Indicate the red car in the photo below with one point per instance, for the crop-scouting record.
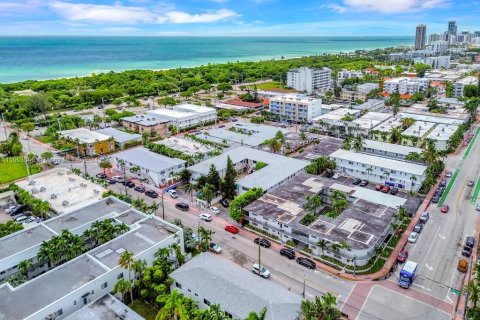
(379, 187)
(402, 256)
(385, 189)
(231, 229)
(445, 208)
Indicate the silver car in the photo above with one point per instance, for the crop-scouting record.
(413, 237)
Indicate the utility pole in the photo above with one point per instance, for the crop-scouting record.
(163, 207)
(304, 287)
(259, 265)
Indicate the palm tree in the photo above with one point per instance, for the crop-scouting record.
(125, 261)
(412, 179)
(138, 267)
(430, 154)
(322, 308)
(314, 201)
(334, 247)
(174, 307)
(358, 143)
(105, 165)
(262, 315)
(369, 171)
(153, 208)
(216, 313)
(473, 293)
(344, 245)
(323, 245)
(207, 193)
(24, 266)
(205, 238)
(274, 145)
(122, 286)
(189, 189)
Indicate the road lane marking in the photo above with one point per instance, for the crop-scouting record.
(422, 287)
(470, 144)
(449, 300)
(449, 187)
(442, 237)
(431, 245)
(428, 267)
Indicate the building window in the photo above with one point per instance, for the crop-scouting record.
(189, 290)
(178, 285)
(104, 285)
(206, 302)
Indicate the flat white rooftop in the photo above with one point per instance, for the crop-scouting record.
(147, 159)
(442, 132)
(389, 147)
(193, 108)
(379, 162)
(84, 135)
(371, 119)
(337, 114)
(419, 129)
(59, 185)
(248, 134)
(172, 114)
(389, 124)
(384, 199)
(295, 98)
(186, 146)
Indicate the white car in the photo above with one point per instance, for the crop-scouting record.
(215, 210)
(412, 238)
(173, 193)
(215, 248)
(118, 178)
(478, 206)
(205, 217)
(336, 176)
(260, 270)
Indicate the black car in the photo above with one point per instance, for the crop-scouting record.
(101, 175)
(111, 181)
(18, 209)
(129, 184)
(140, 189)
(467, 251)
(151, 194)
(289, 253)
(357, 182)
(418, 228)
(364, 183)
(224, 203)
(306, 263)
(470, 242)
(443, 183)
(435, 199)
(329, 174)
(263, 242)
(393, 191)
(182, 206)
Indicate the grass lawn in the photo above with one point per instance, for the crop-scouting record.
(269, 85)
(45, 139)
(13, 168)
(143, 309)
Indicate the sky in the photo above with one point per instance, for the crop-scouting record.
(234, 17)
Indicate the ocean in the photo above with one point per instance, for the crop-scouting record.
(37, 58)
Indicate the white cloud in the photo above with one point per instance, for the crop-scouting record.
(387, 6)
(120, 14)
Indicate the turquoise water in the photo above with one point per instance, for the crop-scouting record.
(24, 58)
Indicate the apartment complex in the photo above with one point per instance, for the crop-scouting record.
(381, 170)
(185, 115)
(56, 291)
(296, 108)
(309, 80)
(405, 85)
(145, 123)
(459, 86)
(90, 143)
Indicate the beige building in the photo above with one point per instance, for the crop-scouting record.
(144, 123)
(352, 95)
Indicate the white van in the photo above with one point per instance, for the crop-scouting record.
(173, 193)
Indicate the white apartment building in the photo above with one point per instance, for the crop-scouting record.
(441, 134)
(296, 108)
(459, 85)
(157, 168)
(310, 80)
(438, 62)
(388, 150)
(367, 87)
(405, 85)
(439, 47)
(185, 115)
(380, 170)
(347, 74)
(336, 120)
(58, 291)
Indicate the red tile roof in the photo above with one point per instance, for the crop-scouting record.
(241, 103)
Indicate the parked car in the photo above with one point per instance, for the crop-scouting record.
(448, 174)
(215, 248)
(19, 218)
(402, 256)
(413, 237)
(435, 199)
(101, 175)
(173, 193)
(357, 182)
(19, 209)
(470, 183)
(386, 189)
(10, 210)
(336, 175)
(223, 202)
(329, 173)
(467, 251)
(289, 253)
(445, 208)
(462, 265)
(469, 241)
(306, 262)
(140, 189)
(418, 227)
(234, 119)
(221, 126)
(129, 184)
(263, 242)
(260, 270)
(443, 183)
(393, 191)
(118, 178)
(151, 194)
(424, 217)
(215, 210)
(181, 206)
(478, 207)
(379, 187)
(231, 229)
(205, 217)
(364, 183)
(111, 181)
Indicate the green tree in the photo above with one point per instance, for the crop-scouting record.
(46, 156)
(243, 200)
(470, 91)
(167, 101)
(205, 236)
(105, 165)
(358, 143)
(314, 201)
(262, 315)
(207, 194)
(40, 103)
(9, 227)
(322, 308)
(174, 307)
(323, 245)
(473, 293)
(228, 187)
(421, 68)
(24, 266)
(213, 178)
(122, 286)
(320, 165)
(27, 127)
